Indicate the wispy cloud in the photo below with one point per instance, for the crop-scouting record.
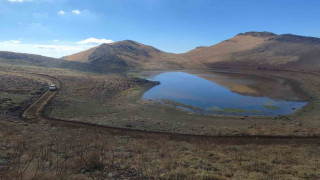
(61, 12)
(19, 1)
(76, 11)
(55, 49)
(95, 41)
(12, 42)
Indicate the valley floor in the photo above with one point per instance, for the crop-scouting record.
(41, 150)
(115, 101)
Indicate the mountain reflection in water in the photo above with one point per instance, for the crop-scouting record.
(225, 93)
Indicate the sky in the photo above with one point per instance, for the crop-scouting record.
(58, 28)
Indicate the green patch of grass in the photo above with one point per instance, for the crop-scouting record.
(213, 108)
(254, 111)
(231, 110)
(138, 75)
(167, 101)
(271, 107)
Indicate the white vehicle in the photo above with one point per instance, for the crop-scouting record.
(53, 87)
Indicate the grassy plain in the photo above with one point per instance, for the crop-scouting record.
(44, 151)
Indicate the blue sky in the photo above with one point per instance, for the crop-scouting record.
(61, 27)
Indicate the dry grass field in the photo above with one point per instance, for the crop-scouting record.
(17, 91)
(44, 150)
(39, 151)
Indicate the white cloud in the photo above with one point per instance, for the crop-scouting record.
(61, 13)
(76, 11)
(12, 42)
(55, 49)
(46, 46)
(19, 1)
(95, 41)
(56, 40)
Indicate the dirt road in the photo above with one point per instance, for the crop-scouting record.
(34, 111)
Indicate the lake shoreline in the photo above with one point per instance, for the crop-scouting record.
(127, 110)
(237, 85)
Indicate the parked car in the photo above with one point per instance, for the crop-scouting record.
(53, 87)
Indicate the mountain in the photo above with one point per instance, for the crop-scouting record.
(245, 50)
(128, 55)
(224, 50)
(255, 50)
(27, 59)
(42, 61)
(261, 50)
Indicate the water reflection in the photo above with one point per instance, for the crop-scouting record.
(225, 93)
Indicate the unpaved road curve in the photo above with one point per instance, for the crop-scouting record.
(35, 113)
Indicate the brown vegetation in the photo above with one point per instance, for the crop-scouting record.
(17, 92)
(40, 151)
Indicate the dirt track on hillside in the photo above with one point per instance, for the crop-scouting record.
(34, 113)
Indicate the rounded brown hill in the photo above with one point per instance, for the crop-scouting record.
(127, 54)
(261, 50)
(246, 50)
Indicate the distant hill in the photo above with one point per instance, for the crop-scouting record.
(261, 50)
(42, 61)
(245, 50)
(129, 55)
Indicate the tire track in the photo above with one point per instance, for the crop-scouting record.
(35, 111)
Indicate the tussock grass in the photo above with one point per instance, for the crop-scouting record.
(38, 151)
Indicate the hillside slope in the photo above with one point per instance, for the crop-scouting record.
(42, 61)
(82, 56)
(224, 50)
(261, 50)
(246, 50)
(129, 55)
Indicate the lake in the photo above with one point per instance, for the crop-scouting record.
(220, 93)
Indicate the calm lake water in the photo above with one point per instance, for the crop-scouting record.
(225, 93)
